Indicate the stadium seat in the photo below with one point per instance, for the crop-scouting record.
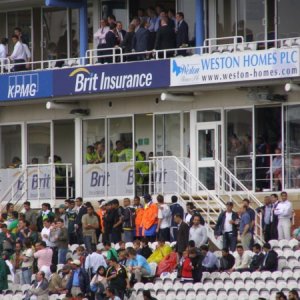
(265, 274)
(198, 285)
(149, 286)
(283, 243)
(128, 244)
(177, 285)
(287, 274)
(180, 295)
(161, 295)
(188, 285)
(245, 274)
(73, 247)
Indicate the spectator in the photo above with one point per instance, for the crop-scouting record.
(182, 235)
(111, 294)
(111, 42)
(138, 265)
(94, 261)
(99, 283)
(284, 211)
(110, 252)
(160, 252)
(175, 209)
(55, 283)
(274, 217)
(147, 295)
(127, 42)
(3, 48)
(111, 19)
(276, 170)
(196, 260)
(257, 258)
(137, 245)
(101, 213)
(80, 255)
(33, 234)
(30, 215)
(62, 241)
(245, 228)
(27, 262)
(116, 216)
(293, 295)
(100, 40)
(120, 31)
(150, 219)
(242, 260)
(18, 55)
(71, 214)
(81, 210)
(145, 250)
(62, 214)
(45, 214)
(16, 261)
(140, 41)
(23, 230)
(45, 233)
(89, 226)
(266, 215)
(4, 271)
(227, 227)
(117, 278)
(7, 240)
(128, 220)
(270, 262)
(227, 260)
(164, 219)
(40, 288)
(182, 33)
(186, 268)
(165, 39)
(139, 212)
(65, 277)
(79, 280)
(43, 255)
(198, 232)
(210, 262)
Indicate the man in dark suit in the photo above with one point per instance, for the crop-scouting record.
(165, 38)
(81, 210)
(111, 41)
(270, 262)
(120, 31)
(182, 33)
(140, 41)
(274, 218)
(257, 258)
(266, 214)
(182, 234)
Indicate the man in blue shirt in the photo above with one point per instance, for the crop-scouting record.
(138, 265)
(245, 228)
(210, 262)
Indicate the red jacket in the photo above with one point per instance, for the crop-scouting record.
(186, 271)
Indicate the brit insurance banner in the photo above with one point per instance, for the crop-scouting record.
(112, 78)
(235, 67)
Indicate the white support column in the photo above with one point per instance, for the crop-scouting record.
(78, 157)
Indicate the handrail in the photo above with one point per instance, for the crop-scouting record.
(117, 55)
(231, 187)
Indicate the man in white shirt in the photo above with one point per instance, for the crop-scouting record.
(164, 219)
(198, 232)
(19, 55)
(100, 40)
(94, 260)
(3, 48)
(284, 211)
(242, 260)
(45, 234)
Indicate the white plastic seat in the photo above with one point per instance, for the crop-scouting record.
(139, 286)
(188, 286)
(273, 243)
(177, 286)
(265, 274)
(255, 275)
(283, 243)
(149, 286)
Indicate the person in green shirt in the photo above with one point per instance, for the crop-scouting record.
(115, 152)
(90, 156)
(4, 271)
(111, 252)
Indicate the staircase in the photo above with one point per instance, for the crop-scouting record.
(180, 181)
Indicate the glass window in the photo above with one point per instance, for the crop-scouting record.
(186, 135)
(226, 18)
(118, 8)
(167, 135)
(74, 38)
(292, 163)
(288, 16)
(239, 144)
(209, 115)
(10, 146)
(93, 141)
(250, 20)
(38, 137)
(268, 148)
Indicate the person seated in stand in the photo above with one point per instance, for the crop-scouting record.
(145, 251)
(161, 251)
(242, 260)
(257, 258)
(196, 260)
(210, 262)
(186, 268)
(270, 262)
(227, 260)
(276, 170)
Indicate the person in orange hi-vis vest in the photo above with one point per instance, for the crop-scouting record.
(139, 212)
(100, 213)
(150, 219)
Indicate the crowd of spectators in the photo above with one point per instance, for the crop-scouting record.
(157, 29)
(78, 251)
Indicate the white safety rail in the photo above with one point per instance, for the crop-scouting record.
(116, 54)
(229, 186)
(41, 182)
(258, 173)
(187, 188)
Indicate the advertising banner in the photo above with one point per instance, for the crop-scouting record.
(112, 78)
(235, 67)
(26, 85)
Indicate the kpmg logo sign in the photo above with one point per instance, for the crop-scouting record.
(234, 67)
(112, 78)
(23, 86)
